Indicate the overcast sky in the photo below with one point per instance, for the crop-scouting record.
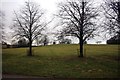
(50, 7)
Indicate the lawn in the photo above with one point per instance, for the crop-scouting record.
(62, 61)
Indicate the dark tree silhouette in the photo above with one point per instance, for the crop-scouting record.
(78, 19)
(44, 40)
(60, 38)
(112, 17)
(114, 40)
(22, 42)
(28, 23)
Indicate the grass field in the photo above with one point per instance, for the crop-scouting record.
(62, 61)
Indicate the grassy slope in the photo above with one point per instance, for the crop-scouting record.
(62, 61)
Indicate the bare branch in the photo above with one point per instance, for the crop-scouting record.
(29, 23)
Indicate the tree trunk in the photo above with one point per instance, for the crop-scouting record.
(81, 47)
(81, 31)
(30, 40)
(30, 54)
(30, 43)
(30, 48)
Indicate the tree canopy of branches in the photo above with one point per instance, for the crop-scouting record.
(78, 19)
(2, 33)
(28, 23)
(112, 14)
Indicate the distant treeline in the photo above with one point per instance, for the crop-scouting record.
(114, 40)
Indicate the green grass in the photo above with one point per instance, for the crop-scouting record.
(62, 61)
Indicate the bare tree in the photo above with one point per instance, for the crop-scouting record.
(2, 25)
(112, 17)
(78, 19)
(44, 40)
(28, 23)
(60, 38)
